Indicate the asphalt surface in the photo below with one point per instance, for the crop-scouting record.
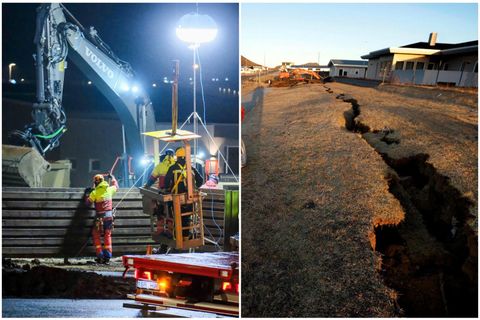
(82, 308)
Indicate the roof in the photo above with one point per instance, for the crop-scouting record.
(440, 46)
(348, 63)
(424, 48)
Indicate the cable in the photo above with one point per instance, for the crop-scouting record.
(51, 135)
(134, 185)
(219, 152)
(201, 86)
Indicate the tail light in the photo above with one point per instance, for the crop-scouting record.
(237, 288)
(163, 284)
(143, 274)
(226, 286)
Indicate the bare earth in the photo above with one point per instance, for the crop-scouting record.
(330, 223)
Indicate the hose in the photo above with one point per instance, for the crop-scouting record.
(53, 135)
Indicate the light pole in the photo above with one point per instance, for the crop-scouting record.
(195, 29)
(10, 70)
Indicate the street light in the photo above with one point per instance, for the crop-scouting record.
(10, 69)
(195, 29)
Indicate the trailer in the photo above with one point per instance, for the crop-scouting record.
(204, 282)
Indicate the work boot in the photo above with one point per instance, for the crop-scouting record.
(99, 260)
(106, 261)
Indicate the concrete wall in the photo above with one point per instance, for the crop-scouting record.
(375, 70)
(455, 62)
(88, 139)
(432, 77)
(222, 137)
(352, 72)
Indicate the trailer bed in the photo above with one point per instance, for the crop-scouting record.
(159, 276)
(215, 265)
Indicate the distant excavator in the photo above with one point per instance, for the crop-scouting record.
(298, 75)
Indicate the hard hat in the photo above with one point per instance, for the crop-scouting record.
(98, 178)
(213, 177)
(170, 152)
(180, 152)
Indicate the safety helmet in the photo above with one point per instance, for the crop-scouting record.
(180, 152)
(98, 178)
(170, 152)
(213, 177)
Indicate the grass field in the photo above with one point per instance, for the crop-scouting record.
(375, 220)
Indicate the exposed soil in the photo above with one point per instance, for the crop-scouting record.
(431, 257)
(316, 199)
(41, 279)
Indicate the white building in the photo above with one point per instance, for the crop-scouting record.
(348, 68)
(426, 63)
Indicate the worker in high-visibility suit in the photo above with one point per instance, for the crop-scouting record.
(102, 196)
(160, 170)
(176, 182)
(164, 219)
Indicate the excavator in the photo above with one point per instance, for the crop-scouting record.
(57, 38)
(297, 75)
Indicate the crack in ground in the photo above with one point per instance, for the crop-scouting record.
(430, 258)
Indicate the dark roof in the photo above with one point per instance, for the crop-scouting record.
(443, 48)
(348, 62)
(440, 46)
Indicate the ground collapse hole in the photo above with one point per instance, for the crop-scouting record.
(430, 258)
(427, 258)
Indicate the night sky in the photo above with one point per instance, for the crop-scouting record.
(143, 35)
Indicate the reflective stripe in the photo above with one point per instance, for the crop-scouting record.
(179, 176)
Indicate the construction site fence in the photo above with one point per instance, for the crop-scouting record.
(55, 222)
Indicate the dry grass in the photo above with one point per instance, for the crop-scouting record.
(311, 193)
(441, 123)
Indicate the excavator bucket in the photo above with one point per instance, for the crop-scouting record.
(25, 167)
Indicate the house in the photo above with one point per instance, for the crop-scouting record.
(348, 68)
(426, 63)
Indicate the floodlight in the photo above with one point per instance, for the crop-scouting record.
(196, 28)
(125, 87)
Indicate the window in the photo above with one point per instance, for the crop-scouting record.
(420, 66)
(356, 71)
(344, 73)
(399, 65)
(94, 165)
(445, 67)
(431, 66)
(409, 66)
(476, 68)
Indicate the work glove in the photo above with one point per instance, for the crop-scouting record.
(87, 192)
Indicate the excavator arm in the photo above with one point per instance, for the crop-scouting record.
(57, 38)
(300, 72)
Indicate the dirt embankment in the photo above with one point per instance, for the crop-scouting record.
(35, 279)
(337, 212)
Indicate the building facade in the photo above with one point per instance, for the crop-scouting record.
(426, 63)
(347, 68)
